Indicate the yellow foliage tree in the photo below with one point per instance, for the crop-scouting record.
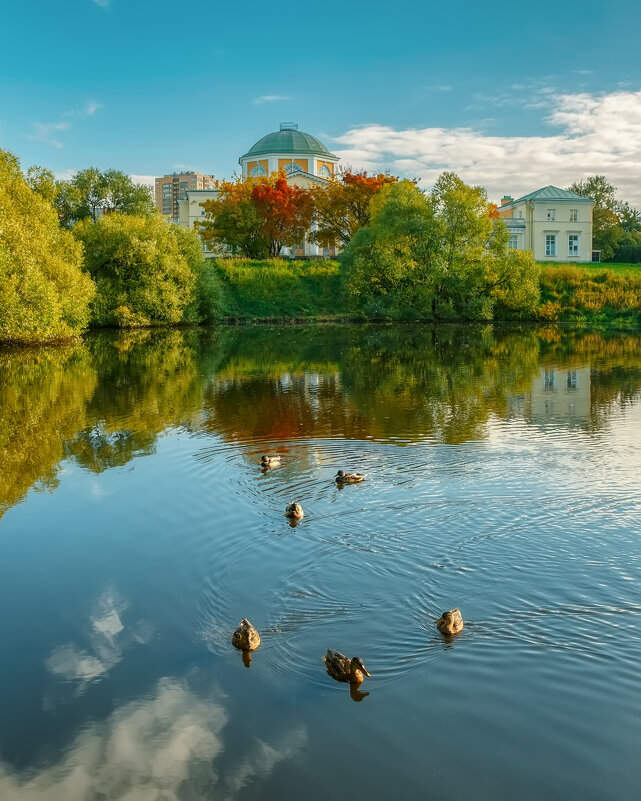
(44, 293)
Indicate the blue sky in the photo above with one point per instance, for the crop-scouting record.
(512, 96)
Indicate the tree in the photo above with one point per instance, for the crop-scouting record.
(145, 269)
(342, 207)
(443, 255)
(91, 192)
(42, 181)
(44, 293)
(611, 218)
(256, 217)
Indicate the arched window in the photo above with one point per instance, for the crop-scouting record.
(258, 171)
(290, 169)
(324, 171)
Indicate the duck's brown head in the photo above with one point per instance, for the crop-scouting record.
(358, 664)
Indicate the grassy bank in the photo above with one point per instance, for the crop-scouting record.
(295, 290)
(279, 288)
(596, 267)
(591, 293)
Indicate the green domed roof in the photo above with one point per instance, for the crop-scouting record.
(289, 140)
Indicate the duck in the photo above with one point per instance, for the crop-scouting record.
(245, 638)
(294, 511)
(270, 461)
(450, 622)
(341, 668)
(349, 478)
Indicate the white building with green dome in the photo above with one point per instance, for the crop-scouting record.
(302, 157)
(298, 154)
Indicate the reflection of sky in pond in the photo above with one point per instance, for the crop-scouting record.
(107, 638)
(503, 477)
(163, 747)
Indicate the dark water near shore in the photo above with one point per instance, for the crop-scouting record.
(136, 529)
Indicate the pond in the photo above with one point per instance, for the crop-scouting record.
(137, 529)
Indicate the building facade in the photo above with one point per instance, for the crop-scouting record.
(555, 224)
(288, 149)
(303, 158)
(170, 188)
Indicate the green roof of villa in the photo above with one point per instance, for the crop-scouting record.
(552, 193)
(288, 141)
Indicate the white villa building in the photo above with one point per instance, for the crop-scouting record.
(555, 224)
(305, 161)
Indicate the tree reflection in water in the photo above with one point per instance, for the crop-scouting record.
(104, 402)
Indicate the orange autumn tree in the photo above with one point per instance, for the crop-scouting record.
(342, 206)
(256, 217)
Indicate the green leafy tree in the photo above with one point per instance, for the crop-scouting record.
(91, 192)
(42, 181)
(442, 255)
(44, 293)
(145, 269)
(611, 218)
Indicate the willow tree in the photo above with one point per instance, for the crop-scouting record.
(44, 293)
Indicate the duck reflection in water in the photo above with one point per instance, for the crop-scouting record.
(247, 658)
(356, 694)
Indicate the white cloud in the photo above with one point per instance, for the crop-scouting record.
(43, 132)
(91, 108)
(145, 180)
(65, 175)
(271, 99)
(599, 134)
(102, 3)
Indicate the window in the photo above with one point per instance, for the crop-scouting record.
(571, 382)
(550, 214)
(258, 171)
(574, 214)
(549, 380)
(573, 244)
(514, 241)
(324, 171)
(292, 168)
(550, 244)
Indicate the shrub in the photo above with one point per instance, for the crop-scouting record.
(44, 293)
(145, 269)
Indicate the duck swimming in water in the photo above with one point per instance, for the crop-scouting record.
(349, 478)
(450, 622)
(341, 668)
(245, 638)
(270, 461)
(294, 511)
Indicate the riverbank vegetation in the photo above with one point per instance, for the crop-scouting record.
(92, 251)
(44, 291)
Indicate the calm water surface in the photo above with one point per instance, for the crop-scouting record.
(136, 529)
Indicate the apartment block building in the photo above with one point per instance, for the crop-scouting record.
(170, 188)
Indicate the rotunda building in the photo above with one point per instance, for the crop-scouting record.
(299, 154)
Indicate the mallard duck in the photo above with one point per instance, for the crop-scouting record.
(270, 461)
(450, 622)
(294, 511)
(341, 668)
(246, 638)
(349, 478)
